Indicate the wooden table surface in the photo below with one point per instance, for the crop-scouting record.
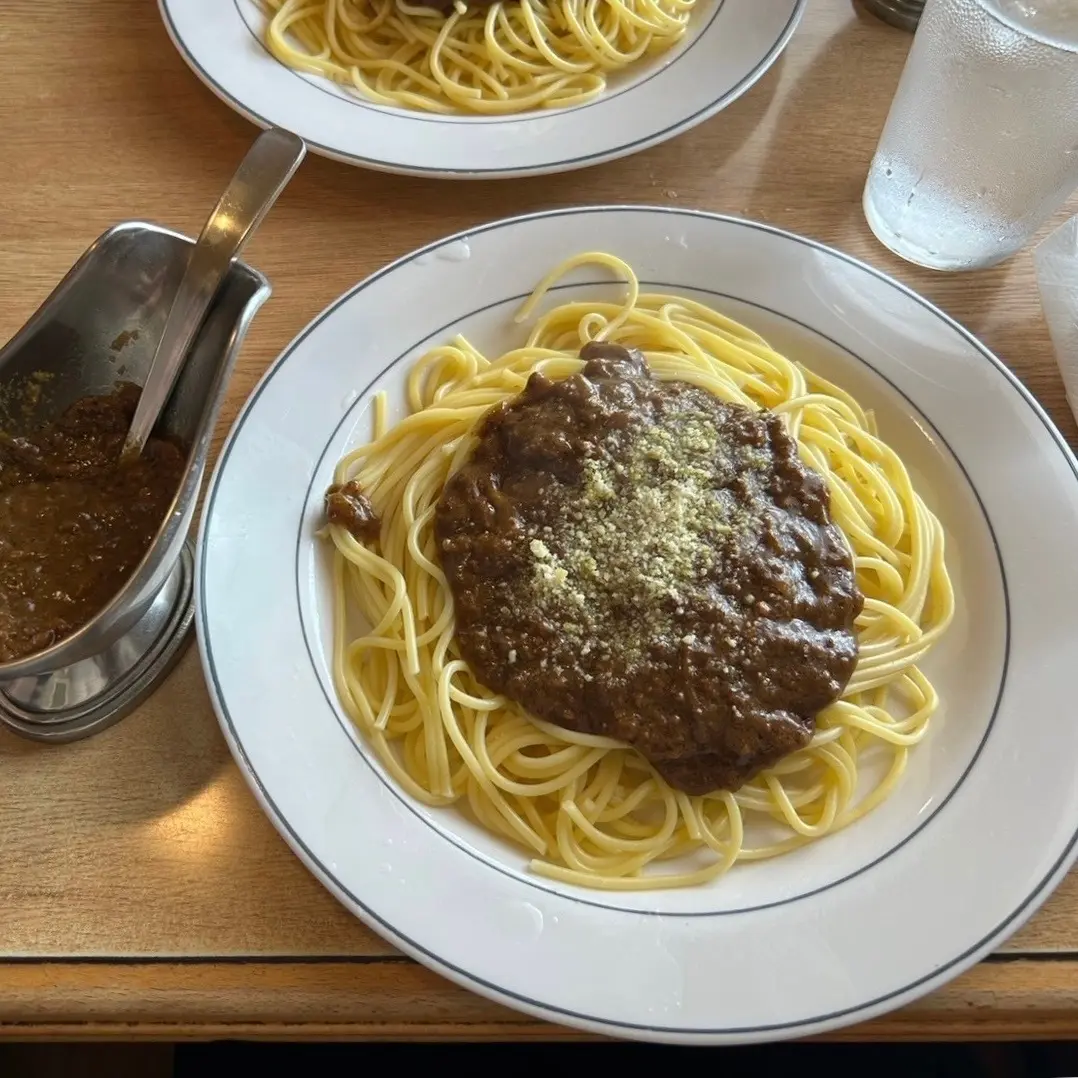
(142, 891)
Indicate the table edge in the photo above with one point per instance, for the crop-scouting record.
(1024, 995)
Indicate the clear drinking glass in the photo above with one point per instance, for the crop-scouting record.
(981, 144)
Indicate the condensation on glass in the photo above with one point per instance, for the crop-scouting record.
(981, 143)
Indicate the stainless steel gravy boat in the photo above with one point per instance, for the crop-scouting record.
(100, 326)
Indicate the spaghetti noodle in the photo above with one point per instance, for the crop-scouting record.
(590, 810)
(510, 57)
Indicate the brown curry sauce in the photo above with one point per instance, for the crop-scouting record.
(638, 559)
(74, 521)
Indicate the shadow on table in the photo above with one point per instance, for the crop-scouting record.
(145, 767)
(809, 129)
(877, 1060)
(232, 1058)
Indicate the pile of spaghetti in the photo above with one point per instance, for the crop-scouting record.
(506, 57)
(590, 810)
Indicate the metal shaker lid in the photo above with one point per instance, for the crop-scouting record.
(903, 13)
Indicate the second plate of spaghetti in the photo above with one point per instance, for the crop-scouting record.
(653, 597)
(480, 89)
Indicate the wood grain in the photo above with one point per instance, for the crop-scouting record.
(131, 861)
(396, 999)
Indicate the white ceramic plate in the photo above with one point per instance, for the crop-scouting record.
(983, 825)
(730, 45)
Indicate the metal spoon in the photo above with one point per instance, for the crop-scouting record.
(262, 176)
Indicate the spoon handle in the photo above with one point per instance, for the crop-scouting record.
(262, 176)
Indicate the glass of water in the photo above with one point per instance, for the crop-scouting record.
(981, 144)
